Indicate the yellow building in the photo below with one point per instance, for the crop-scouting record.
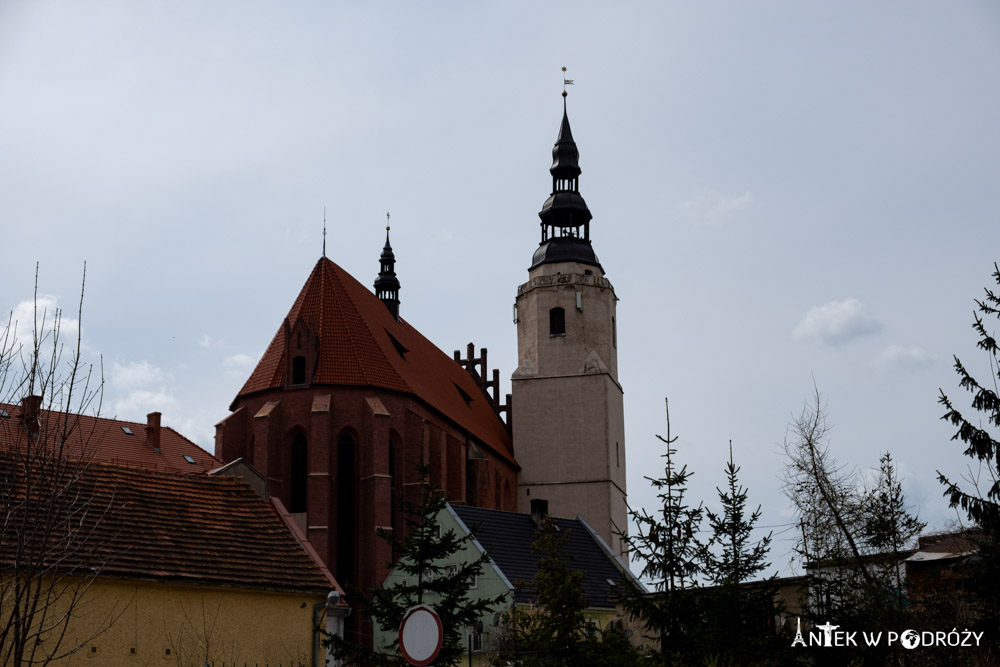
(140, 567)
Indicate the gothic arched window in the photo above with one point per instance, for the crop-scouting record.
(346, 506)
(300, 475)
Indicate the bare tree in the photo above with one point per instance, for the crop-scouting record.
(852, 536)
(56, 522)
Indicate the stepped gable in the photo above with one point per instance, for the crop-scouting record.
(105, 440)
(355, 332)
(186, 529)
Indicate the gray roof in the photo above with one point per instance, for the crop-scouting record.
(508, 537)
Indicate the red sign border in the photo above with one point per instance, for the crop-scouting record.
(440, 637)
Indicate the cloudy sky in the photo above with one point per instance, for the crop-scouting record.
(785, 195)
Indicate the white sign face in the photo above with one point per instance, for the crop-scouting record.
(420, 635)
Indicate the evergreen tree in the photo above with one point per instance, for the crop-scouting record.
(555, 631)
(889, 528)
(424, 555)
(738, 628)
(552, 631)
(666, 546)
(981, 505)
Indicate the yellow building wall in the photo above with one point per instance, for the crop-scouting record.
(154, 624)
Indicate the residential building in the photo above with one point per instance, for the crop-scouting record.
(128, 444)
(162, 567)
(508, 537)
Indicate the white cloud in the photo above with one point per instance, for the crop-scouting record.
(46, 315)
(140, 388)
(239, 364)
(136, 404)
(136, 375)
(836, 323)
(903, 359)
(714, 207)
(208, 341)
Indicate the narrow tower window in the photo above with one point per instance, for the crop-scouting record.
(557, 322)
(299, 370)
(300, 475)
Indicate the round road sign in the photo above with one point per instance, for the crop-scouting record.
(420, 635)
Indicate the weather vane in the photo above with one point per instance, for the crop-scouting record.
(387, 221)
(566, 82)
(324, 231)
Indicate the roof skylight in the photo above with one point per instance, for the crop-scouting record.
(4, 414)
(188, 459)
(127, 431)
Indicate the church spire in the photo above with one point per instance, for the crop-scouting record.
(387, 284)
(565, 167)
(565, 216)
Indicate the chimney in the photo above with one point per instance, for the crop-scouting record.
(30, 409)
(153, 431)
(539, 511)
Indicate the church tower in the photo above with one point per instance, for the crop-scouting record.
(569, 426)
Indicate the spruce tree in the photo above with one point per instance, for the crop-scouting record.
(552, 631)
(737, 614)
(889, 528)
(981, 505)
(424, 554)
(555, 630)
(665, 544)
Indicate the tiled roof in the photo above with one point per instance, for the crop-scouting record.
(104, 440)
(508, 537)
(355, 332)
(184, 529)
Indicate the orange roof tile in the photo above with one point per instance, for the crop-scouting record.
(104, 440)
(355, 349)
(171, 527)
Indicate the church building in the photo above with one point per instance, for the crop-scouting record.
(349, 397)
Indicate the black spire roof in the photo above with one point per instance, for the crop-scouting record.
(565, 216)
(387, 284)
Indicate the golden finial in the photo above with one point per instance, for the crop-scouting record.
(566, 82)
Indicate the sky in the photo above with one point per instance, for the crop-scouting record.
(787, 197)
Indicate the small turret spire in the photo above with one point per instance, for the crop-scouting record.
(387, 284)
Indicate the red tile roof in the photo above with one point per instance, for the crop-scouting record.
(102, 439)
(355, 332)
(187, 529)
